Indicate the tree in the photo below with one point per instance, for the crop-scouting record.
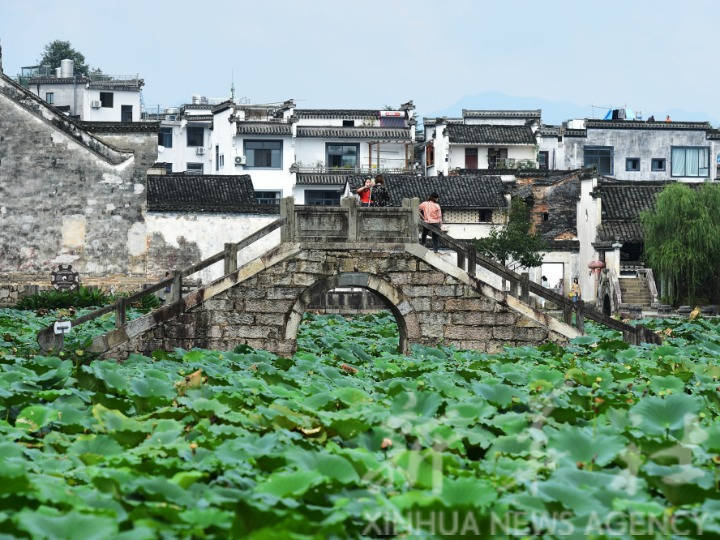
(682, 242)
(514, 242)
(57, 50)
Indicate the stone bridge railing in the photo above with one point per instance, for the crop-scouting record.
(350, 222)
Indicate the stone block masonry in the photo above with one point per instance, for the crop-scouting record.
(67, 196)
(433, 303)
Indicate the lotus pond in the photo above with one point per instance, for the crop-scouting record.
(349, 439)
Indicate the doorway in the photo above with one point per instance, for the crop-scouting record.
(126, 113)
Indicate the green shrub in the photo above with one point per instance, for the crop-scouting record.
(146, 303)
(81, 297)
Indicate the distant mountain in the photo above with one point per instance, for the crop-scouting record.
(554, 112)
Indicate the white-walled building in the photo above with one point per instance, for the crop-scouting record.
(306, 153)
(184, 139)
(634, 150)
(481, 139)
(97, 98)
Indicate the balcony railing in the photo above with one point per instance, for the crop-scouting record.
(321, 169)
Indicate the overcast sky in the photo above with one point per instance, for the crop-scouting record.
(651, 55)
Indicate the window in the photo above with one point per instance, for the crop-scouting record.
(194, 168)
(106, 99)
(430, 155)
(348, 123)
(195, 136)
(50, 97)
(600, 157)
(168, 168)
(543, 159)
(267, 197)
(497, 157)
(217, 157)
(317, 197)
(485, 215)
(657, 164)
(632, 164)
(545, 216)
(342, 156)
(471, 158)
(263, 154)
(690, 161)
(165, 137)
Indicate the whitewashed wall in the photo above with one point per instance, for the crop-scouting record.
(588, 219)
(457, 154)
(110, 114)
(210, 232)
(268, 179)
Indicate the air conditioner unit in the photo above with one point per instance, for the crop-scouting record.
(240, 160)
(95, 104)
(200, 151)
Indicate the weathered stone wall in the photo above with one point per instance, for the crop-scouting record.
(67, 197)
(263, 311)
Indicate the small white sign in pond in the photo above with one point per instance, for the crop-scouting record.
(62, 327)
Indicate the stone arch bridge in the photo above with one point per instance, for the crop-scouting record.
(262, 302)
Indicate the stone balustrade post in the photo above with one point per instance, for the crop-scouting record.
(230, 262)
(287, 211)
(351, 205)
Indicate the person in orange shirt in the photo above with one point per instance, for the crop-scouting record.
(364, 192)
(431, 212)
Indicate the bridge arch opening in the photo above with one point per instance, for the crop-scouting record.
(392, 298)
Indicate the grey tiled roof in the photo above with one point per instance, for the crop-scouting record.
(625, 200)
(490, 134)
(621, 203)
(203, 193)
(199, 117)
(549, 131)
(374, 133)
(641, 124)
(117, 84)
(432, 121)
(575, 132)
(197, 106)
(337, 113)
(328, 179)
(497, 113)
(714, 134)
(120, 127)
(263, 128)
(58, 80)
(623, 231)
(456, 192)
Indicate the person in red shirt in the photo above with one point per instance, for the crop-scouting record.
(364, 192)
(431, 212)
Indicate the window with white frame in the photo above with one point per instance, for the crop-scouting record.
(50, 97)
(690, 161)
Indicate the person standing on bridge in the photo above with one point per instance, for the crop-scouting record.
(364, 192)
(379, 195)
(431, 213)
